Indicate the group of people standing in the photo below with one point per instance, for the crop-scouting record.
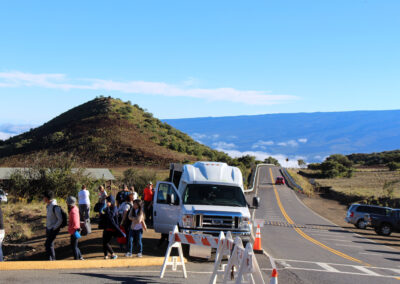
(122, 217)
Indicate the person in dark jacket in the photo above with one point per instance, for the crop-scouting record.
(111, 227)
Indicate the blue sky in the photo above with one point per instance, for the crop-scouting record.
(199, 58)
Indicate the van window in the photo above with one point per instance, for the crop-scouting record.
(363, 209)
(163, 191)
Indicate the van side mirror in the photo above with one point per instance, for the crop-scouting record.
(171, 199)
(256, 202)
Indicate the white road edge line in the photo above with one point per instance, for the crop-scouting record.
(365, 270)
(327, 267)
(354, 233)
(340, 272)
(336, 240)
(341, 245)
(370, 253)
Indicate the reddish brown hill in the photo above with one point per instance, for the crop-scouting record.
(106, 132)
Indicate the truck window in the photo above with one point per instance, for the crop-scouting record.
(211, 194)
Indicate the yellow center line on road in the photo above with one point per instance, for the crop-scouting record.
(304, 235)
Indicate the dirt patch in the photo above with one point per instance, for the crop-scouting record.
(335, 212)
(90, 246)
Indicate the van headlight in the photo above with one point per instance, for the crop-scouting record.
(244, 223)
(187, 221)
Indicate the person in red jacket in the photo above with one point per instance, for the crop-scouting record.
(74, 226)
(148, 203)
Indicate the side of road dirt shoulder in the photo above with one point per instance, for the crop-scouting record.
(336, 212)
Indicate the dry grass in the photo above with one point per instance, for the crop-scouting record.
(308, 189)
(161, 174)
(23, 220)
(364, 183)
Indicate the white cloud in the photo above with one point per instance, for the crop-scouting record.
(291, 143)
(303, 140)
(198, 136)
(61, 81)
(223, 145)
(5, 136)
(292, 163)
(262, 144)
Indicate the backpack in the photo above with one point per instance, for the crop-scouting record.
(128, 222)
(122, 196)
(63, 215)
(86, 227)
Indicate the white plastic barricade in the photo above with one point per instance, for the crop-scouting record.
(225, 245)
(242, 265)
(173, 244)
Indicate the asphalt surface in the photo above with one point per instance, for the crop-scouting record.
(310, 249)
(198, 272)
(306, 248)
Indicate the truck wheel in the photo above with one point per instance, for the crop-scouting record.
(377, 231)
(361, 224)
(385, 229)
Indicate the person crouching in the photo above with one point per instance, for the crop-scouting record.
(74, 227)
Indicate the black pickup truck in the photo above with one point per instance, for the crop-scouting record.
(385, 225)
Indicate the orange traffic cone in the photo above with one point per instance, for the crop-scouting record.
(257, 242)
(274, 277)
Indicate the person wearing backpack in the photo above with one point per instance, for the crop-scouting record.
(122, 195)
(74, 227)
(123, 211)
(109, 220)
(54, 222)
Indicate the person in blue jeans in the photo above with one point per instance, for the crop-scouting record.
(138, 224)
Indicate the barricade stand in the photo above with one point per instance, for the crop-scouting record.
(224, 249)
(249, 268)
(242, 265)
(234, 260)
(173, 244)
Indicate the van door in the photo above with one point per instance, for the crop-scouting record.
(166, 209)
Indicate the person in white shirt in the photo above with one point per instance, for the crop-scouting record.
(135, 194)
(84, 203)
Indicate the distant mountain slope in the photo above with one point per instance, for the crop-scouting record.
(106, 131)
(312, 136)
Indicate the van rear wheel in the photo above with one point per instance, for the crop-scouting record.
(385, 229)
(361, 224)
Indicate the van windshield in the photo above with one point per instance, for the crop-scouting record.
(211, 194)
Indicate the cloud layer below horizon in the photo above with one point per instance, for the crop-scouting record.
(17, 79)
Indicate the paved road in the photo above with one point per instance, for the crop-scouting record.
(307, 249)
(310, 249)
(198, 273)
